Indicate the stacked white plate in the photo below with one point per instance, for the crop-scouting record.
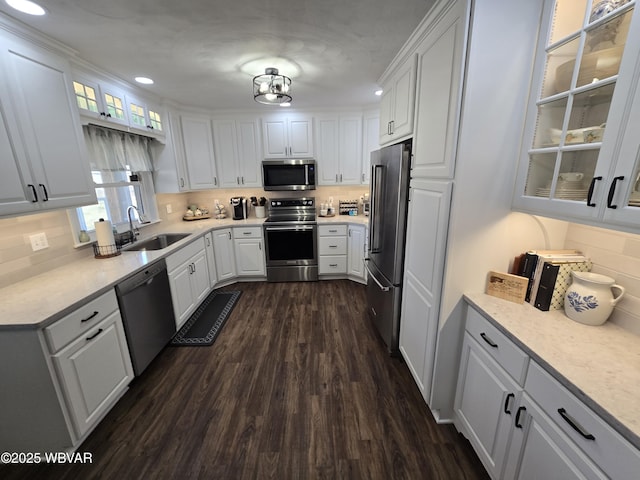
(565, 190)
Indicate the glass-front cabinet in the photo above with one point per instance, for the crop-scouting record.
(585, 76)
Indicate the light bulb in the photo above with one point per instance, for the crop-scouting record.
(264, 87)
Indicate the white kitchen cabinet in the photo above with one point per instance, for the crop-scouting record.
(540, 450)
(332, 250)
(94, 371)
(211, 260)
(99, 101)
(145, 117)
(439, 93)
(288, 136)
(189, 280)
(199, 159)
(40, 134)
(237, 152)
(225, 254)
(356, 252)
(339, 149)
(581, 112)
(370, 142)
(397, 103)
(249, 251)
(427, 224)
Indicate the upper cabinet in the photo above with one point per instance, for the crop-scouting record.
(397, 103)
(44, 164)
(439, 94)
(288, 136)
(103, 104)
(339, 149)
(197, 143)
(237, 151)
(370, 142)
(579, 160)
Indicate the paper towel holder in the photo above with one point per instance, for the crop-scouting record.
(105, 250)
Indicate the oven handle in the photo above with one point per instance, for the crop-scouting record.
(382, 287)
(291, 228)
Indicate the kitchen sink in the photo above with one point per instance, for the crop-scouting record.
(158, 242)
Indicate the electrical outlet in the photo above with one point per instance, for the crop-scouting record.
(169, 208)
(38, 241)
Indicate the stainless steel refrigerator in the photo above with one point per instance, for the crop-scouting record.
(387, 228)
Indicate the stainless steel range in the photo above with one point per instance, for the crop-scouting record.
(290, 240)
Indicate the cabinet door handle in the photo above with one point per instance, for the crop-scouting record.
(487, 339)
(592, 186)
(182, 182)
(340, 178)
(208, 242)
(34, 191)
(612, 191)
(44, 191)
(574, 424)
(362, 178)
(89, 317)
(520, 410)
(215, 181)
(242, 178)
(506, 403)
(259, 245)
(94, 335)
(229, 233)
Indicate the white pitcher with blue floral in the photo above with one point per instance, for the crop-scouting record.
(590, 299)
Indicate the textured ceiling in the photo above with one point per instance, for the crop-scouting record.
(194, 49)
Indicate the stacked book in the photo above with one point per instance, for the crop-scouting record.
(549, 275)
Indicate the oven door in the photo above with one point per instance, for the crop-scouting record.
(291, 252)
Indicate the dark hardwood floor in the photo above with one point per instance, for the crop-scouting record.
(297, 386)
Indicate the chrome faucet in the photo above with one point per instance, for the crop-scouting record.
(132, 232)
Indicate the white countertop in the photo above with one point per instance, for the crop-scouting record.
(600, 365)
(38, 301)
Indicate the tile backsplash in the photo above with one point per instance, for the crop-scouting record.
(617, 255)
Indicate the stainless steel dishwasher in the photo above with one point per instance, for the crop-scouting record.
(147, 313)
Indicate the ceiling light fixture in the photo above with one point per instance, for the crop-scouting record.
(272, 88)
(144, 80)
(25, 6)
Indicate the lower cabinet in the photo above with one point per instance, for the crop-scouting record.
(94, 371)
(355, 252)
(332, 250)
(249, 252)
(224, 254)
(211, 259)
(523, 423)
(189, 279)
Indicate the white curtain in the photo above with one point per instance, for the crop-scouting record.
(110, 150)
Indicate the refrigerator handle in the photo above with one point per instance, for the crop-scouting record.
(374, 216)
(382, 287)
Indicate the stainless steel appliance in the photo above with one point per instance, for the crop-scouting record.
(290, 240)
(147, 313)
(239, 208)
(289, 174)
(387, 228)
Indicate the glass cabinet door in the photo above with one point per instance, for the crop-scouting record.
(577, 71)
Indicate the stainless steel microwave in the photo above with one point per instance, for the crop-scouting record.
(289, 174)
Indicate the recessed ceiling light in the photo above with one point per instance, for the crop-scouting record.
(25, 6)
(144, 80)
(378, 92)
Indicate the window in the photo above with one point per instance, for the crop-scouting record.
(121, 170)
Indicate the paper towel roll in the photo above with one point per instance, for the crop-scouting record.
(104, 233)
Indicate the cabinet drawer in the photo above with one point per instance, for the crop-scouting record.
(332, 264)
(612, 453)
(184, 254)
(506, 353)
(331, 230)
(68, 328)
(247, 232)
(332, 246)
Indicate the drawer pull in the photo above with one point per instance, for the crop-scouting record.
(333, 246)
(506, 403)
(333, 265)
(89, 317)
(247, 233)
(575, 425)
(487, 339)
(94, 335)
(333, 231)
(520, 410)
